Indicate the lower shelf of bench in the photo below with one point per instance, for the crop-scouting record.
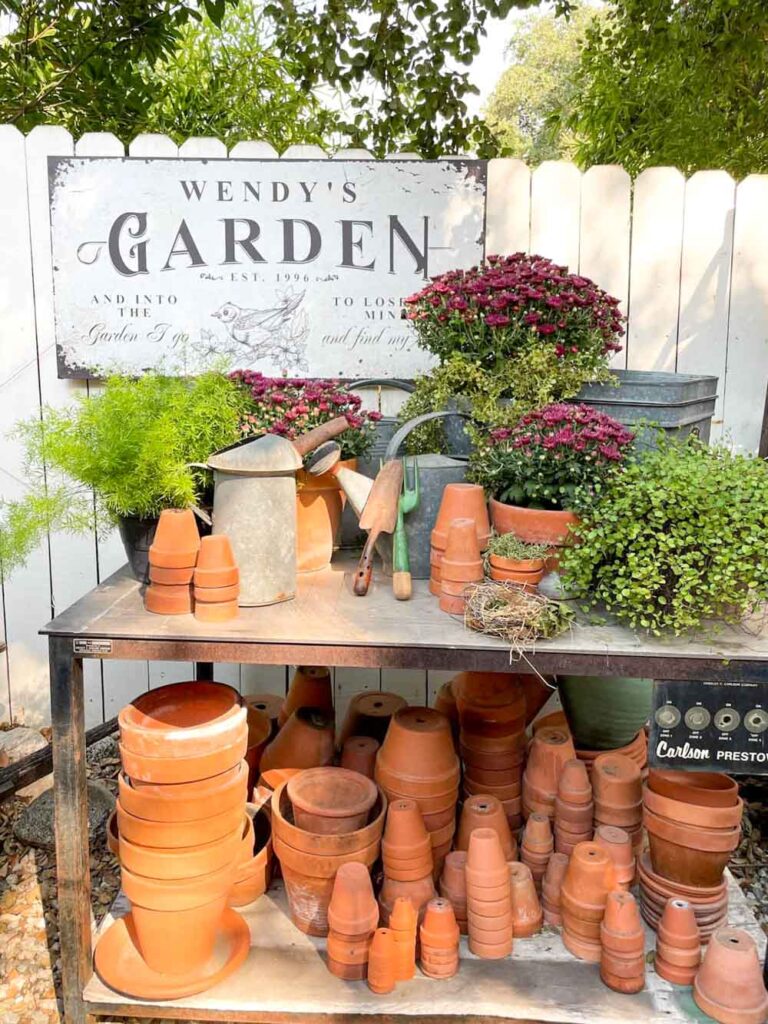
(285, 979)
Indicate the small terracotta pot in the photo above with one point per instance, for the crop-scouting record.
(177, 941)
(349, 953)
(532, 525)
(729, 985)
(168, 600)
(171, 577)
(462, 548)
(353, 909)
(708, 789)
(369, 714)
(548, 752)
(216, 595)
(175, 769)
(678, 943)
(405, 834)
(450, 589)
(696, 815)
(588, 880)
(529, 572)
(429, 732)
(483, 811)
(330, 800)
(573, 786)
(551, 886)
(485, 856)
(177, 539)
(359, 755)
(403, 923)
(382, 962)
(269, 704)
(621, 930)
(589, 950)
(526, 909)
(174, 804)
(618, 845)
(319, 506)
(216, 565)
(490, 690)
(305, 741)
(222, 611)
(310, 687)
(616, 781)
(439, 931)
(461, 500)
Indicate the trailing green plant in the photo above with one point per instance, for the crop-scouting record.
(558, 457)
(680, 537)
(509, 545)
(24, 524)
(132, 444)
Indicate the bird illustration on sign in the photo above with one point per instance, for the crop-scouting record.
(277, 333)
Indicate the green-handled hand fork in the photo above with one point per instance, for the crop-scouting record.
(401, 566)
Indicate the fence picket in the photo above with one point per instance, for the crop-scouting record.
(253, 151)
(555, 212)
(508, 207)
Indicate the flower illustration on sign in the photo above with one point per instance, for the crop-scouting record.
(278, 333)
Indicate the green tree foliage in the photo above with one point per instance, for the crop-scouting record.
(677, 83)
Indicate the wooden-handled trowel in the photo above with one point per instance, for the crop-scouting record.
(379, 516)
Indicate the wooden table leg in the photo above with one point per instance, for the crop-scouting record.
(71, 806)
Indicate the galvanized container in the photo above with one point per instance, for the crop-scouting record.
(254, 504)
(678, 403)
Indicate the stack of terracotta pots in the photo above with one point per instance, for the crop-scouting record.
(217, 580)
(369, 714)
(492, 737)
(254, 864)
(537, 846)
(483, 811)
(709, 903)
(353, 916)
(417, 761)
(305, 741)
(439, 940)
(617, 791)
(181, 821)
(406, 851)
(527, 915)
(489, 896)
(548, 752)
(636, 751)
(678, 944)
(622, 963)
(311, 687)
(618, 845)
(459, 501)
(382, 962)
(461, 565)
(574, 809)
(359, 755)
(729, 985)
(403, 923)
(583, 895)
(172, 560)
(453, 886)
(551, 887)
(309, 860)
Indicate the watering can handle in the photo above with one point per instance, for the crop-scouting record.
(307, 443)
(400, 435)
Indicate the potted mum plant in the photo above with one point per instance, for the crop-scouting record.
(290, 407)
(542, 471)
(511, 334)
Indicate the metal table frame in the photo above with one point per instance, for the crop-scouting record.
(110, 623)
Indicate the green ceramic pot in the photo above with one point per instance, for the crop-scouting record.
(605, 712)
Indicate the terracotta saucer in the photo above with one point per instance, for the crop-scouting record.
(120, 965)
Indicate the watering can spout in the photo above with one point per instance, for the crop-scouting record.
(356, 486)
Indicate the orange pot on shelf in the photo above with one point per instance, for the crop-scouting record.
(311, 687)
(319, 505)
(529, 571)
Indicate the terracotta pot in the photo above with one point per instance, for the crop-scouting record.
(637, 750)
(324, 845)
(216, 565)
(403, 923)
(490, 690)
(616, 782)
(269, 703)
(171, 577)
(348, 972)
(551, 886)
(405, 834)
(588, 880)
(382, 962)
(678, 944)
(537, 835)
(180, 861)
(526, 909)
(621, 930)
(548, 752)
(453, 884)
(729, 985)
(585, 949)
(439, 931)
(696, 815)
(353, 909)
(574, 787)
(529, 572)
(369, 714)
(359, 755)
(708, 789)
(483, 811)
(216, 595)
(259, 733)
(319, 506)
(492, 778)
(429, 732)
(688, 855)
(331, 801)
(445, 703)
(305, 741)
(172, 804)
(176, 769)
(254, 875)
(419, 892)
(492, 761)
(461, 500)
(449, 589)
(310, 687)
(343, 951)
(177, 539)
(618, 845)
(532, 525)
(177, 834)
(667, 889)
(168, 600)
(451, 605)
(223, 611)
(462, 551)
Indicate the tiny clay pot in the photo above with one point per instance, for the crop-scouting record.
(483, 811)
(177, 539)
(382, 962)
(353, 909)
(729, 985)
(310, 687)
(359, 755)
(419, 892)
(331, 801)
(678, 944)
(305, 741)
(461, 500)
(438, 929)
(527, 914)
(588, 880)
(618, 845)
(485, 856)
(216, 566)
(403, 923)
(405, 834)
(369, 714)
(708, 789)
(621, 930)
(573, 786)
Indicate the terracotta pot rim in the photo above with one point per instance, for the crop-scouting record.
(696, 815)
(363, 792)
(195, 768)
(176, 893)
(139, 724)
(161, 801)
(716, 789)
(698, 838)
(318, 845)
(321, 866)
(180, 861)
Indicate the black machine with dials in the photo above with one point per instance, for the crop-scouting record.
(704, 725)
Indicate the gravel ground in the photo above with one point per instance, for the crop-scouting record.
(29, 944)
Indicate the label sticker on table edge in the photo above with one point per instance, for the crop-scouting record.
(92, 646)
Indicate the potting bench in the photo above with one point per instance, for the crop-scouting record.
(284, 978)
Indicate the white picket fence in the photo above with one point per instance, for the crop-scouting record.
(687, 258)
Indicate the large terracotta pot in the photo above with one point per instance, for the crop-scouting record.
(729, 985)
(319, 505)
(533, 525)
(175, 834)
(708, 789)
(683, 853)
(175, 769)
